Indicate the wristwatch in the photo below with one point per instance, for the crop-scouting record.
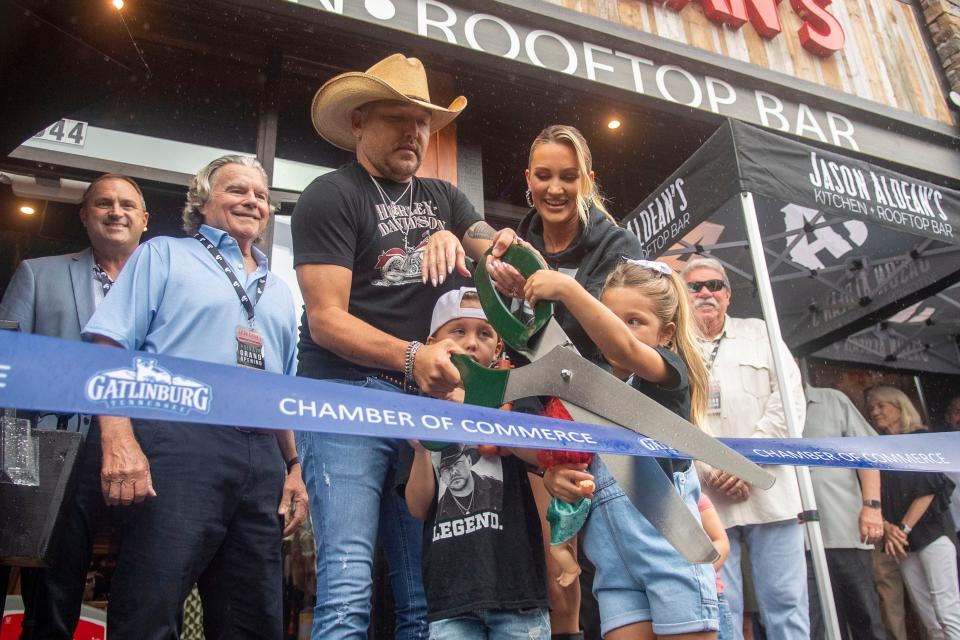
(903, 527)
(873, 504)
(292, 462)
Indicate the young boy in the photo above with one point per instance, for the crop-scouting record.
(483, 563)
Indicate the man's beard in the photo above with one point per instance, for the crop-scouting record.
(398, 171)
(461, 485)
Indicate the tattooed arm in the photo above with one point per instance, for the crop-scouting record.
(478, 238)
(444, 251)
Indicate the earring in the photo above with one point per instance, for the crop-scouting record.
(145, 228)
(529, 197)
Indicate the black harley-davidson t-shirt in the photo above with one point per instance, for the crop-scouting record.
(343, 219)
(483, 548)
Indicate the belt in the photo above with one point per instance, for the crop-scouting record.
(398, 381)
(256, 432)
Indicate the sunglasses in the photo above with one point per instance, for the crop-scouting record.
(712, 285)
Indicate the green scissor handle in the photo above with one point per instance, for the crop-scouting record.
(484, 386)
(514, 331)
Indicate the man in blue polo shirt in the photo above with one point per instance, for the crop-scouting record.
(201, 503)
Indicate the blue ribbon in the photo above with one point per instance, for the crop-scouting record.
(48, 374)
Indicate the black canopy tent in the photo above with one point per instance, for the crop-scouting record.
(923, 337)
(848, 243)
(819, 244)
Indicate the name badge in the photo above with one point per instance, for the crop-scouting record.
(713, 401)
(249, 348)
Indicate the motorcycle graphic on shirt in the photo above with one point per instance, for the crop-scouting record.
(398, 267)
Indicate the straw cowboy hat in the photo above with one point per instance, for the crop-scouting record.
(393, 78)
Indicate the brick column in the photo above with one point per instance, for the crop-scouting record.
(942, 18)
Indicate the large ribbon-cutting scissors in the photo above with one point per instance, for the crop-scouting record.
(594, 396)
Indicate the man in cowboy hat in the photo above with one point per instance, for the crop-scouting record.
(374, 248)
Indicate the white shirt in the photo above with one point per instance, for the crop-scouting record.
(750, 407)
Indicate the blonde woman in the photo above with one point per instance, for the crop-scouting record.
(918, 530)
(891, 412)
(570, 226)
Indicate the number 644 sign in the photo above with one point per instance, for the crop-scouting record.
(65, 131)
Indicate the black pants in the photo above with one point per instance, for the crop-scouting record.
(214, 522)
(854, 592)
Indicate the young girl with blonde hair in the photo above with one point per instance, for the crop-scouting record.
(644, 327)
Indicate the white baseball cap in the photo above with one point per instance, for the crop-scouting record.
(449, 307)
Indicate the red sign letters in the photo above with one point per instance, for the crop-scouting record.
(821, 33)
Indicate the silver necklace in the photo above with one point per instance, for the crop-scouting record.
(393, 208)
(465, 509)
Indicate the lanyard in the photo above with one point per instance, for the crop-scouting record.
(102, 277)
(713, 354)
(231, 276)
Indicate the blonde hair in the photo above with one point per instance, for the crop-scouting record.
(910, 419)
(670, 304)
(589, 191)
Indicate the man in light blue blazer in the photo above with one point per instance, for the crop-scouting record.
(55, 296)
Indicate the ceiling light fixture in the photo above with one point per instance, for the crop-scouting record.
(27, 210)
(613, 124)
(118, 4)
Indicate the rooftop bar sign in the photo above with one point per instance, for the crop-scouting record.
(546, 49)
(676, 74)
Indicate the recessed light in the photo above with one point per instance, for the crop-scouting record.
(118, 4)
(27, 210)
(613, 124)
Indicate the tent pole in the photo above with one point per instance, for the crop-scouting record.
(923, 401)
(814, 537)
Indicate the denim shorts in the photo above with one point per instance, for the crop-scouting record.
(640, 576)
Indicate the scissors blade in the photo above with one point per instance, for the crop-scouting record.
(563, 373)
(653, 494)
(548, 338)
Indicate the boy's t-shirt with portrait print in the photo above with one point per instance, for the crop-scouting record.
(482, 546)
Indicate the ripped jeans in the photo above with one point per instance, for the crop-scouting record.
(351, 482)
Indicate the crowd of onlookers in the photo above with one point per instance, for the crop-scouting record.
(913, 562)
(482, 541)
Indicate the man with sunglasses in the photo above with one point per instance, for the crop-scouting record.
(744, 402)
